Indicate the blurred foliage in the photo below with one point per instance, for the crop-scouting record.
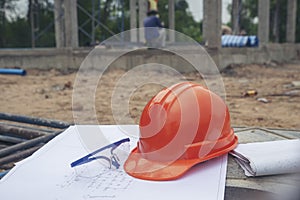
(5, 29)
(110, 16)
(108, 19)
(278, 13)
(15, 31)
(184, 21)
(44, 24)
(16, 34)
(248, 14)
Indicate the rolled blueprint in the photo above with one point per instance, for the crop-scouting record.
(268, 158)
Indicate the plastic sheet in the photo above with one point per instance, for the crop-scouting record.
(239, 41)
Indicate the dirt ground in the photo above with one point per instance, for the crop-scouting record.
(48, 94)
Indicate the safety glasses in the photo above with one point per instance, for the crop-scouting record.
(111, 159)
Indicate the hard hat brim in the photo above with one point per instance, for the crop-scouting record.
(141, 168)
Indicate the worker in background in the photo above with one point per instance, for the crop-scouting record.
(155, 35)
(226, 30)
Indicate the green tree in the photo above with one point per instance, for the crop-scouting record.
(6, 6)
(278, 13)
(111, 17)
(17, 34)
(43, 12)
(184, 21)
(247, 17)
(15, 30)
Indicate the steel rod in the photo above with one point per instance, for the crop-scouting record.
(29, 127)
(27, 144)
(9, 139)
(19, 155)
(2, 146)
(34, 120)
(19, 132)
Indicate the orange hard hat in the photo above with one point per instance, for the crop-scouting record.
(181, 126)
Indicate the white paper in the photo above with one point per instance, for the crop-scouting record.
(269, 158)
(47, 173)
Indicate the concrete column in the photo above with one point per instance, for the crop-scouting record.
(291, 21)
(212, 10)
(264, 21)
(143, 4)
(59, 23)
(235, 16)
(133, 23)
(71, 23)
(172, 20)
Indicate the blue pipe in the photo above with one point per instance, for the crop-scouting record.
(2, 174)
(20, 72)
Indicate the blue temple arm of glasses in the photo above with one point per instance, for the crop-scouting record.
(89, 158)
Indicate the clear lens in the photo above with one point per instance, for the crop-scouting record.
(106, 161)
